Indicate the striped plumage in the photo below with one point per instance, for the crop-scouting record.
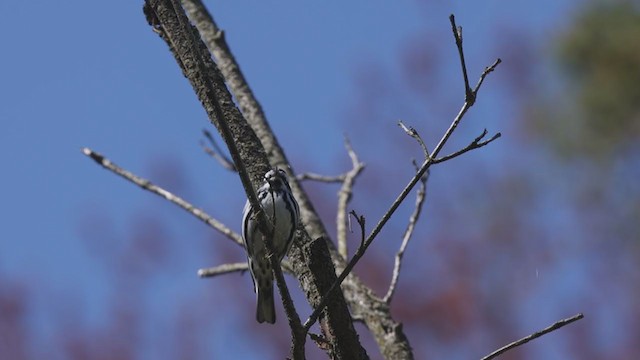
(282, 213)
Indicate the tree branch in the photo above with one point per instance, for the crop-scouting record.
(242, 267)
(168, 19)
(413, 219)
(223, 269)
(216, 153)
(414, 134)
(356, 257)
(320, 178)
(387, 333)
(345, 341)
(457, 33)
(149, 186)
(533, 336)
(344, 196)
(425, 166)
(469, 101)
(475, 144)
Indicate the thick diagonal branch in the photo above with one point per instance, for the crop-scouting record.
(345, 341)
(168, 19)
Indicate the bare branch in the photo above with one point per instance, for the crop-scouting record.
(320, 178)
(457, 34)
(223, 269)
(470, 95)
(475, 144)
(356, 257)
(169, 20)
(216, 153)
(228, 268)
(489, 69)
(469, 101)
(413, 219)
(149, 186)
(344, 338)
(344, 196)
(533, 336)
(361, 221)
(414, 134)
(425, 166)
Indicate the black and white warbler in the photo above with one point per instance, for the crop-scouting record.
(282, 213)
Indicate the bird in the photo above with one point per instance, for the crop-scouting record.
(282, 214)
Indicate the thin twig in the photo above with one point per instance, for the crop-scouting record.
(413, 219)
(533, 336)
(320, 178)
(149, 186)
(420, 197)
(227, 268)
(414, 134)
(344, 196)
(361, 221)
(457, 33)
(223, 269)
(475, 144)
(470, 94)
(488, 70)
(469, 101)
(216, 153)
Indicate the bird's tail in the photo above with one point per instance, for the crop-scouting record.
(265, 309)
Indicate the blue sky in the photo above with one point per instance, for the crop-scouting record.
(80, 73)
